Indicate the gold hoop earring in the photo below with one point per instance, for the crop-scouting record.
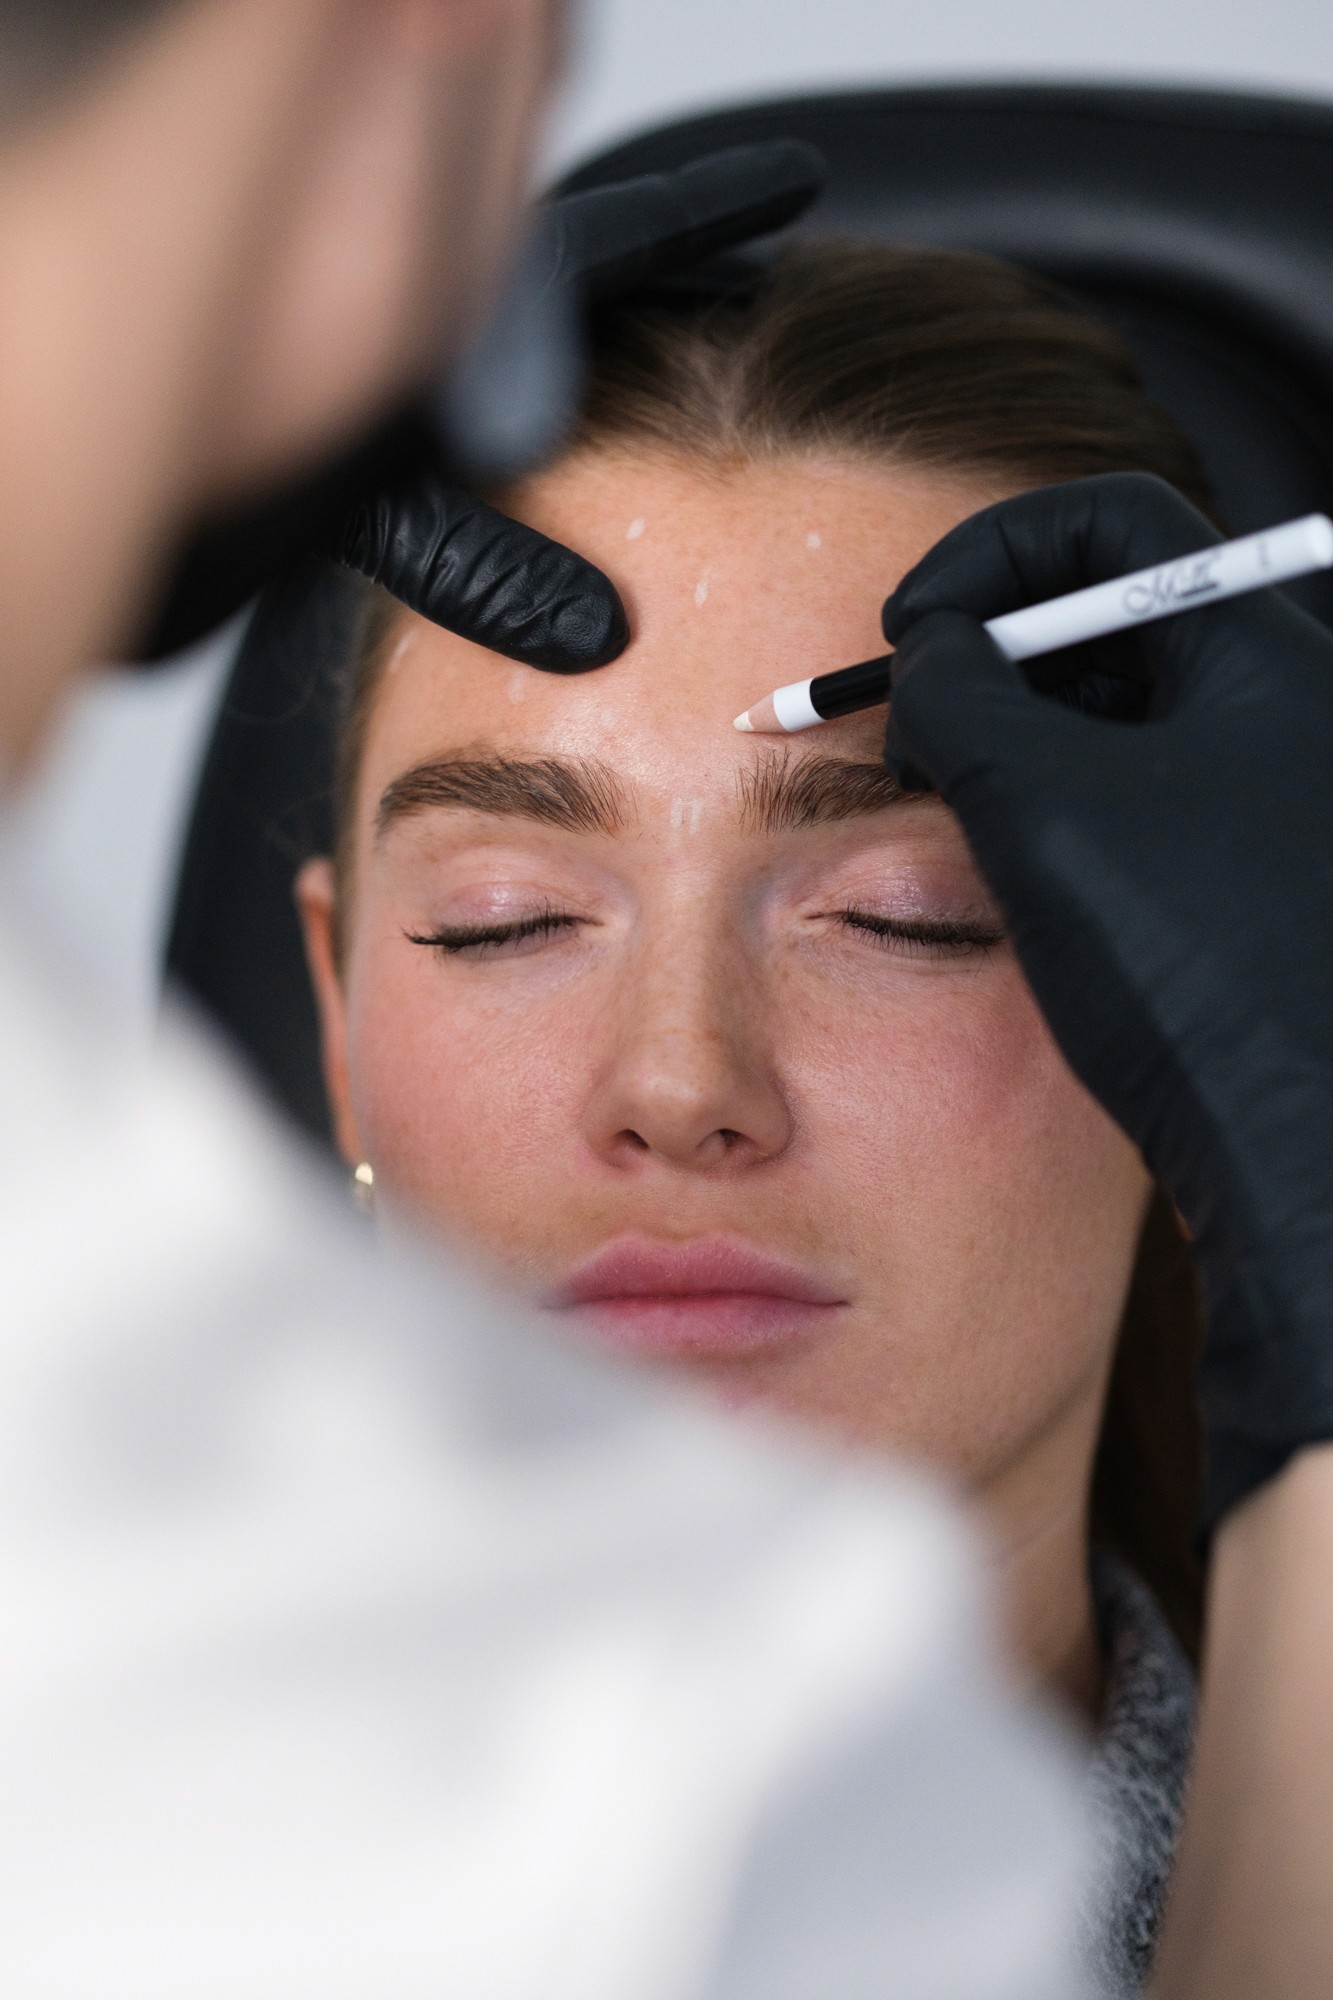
(363, 1188)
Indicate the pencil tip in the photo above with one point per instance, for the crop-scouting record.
(761, 719)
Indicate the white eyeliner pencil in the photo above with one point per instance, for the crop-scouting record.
(1229, 569)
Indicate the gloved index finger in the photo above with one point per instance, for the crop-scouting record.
(1047, 543)
(610, 240)
(469, 568)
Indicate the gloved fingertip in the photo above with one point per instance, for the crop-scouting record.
(891, 618)
(902, 764)
(904, 609)
(589, 629)
(950, 686)
(957, 642)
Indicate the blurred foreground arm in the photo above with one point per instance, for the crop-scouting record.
(361, 1641)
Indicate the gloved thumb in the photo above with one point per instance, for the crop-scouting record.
(954, 702)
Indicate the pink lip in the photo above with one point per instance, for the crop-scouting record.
(713, 1298)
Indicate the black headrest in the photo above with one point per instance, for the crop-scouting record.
(1200, 223)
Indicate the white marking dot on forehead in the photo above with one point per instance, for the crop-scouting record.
(519, 684)
(635, 529)
(406, 644)
(701, 592)
(686, 814)
(814, 540)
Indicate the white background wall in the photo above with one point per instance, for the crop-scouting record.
(648, 59)
(99, 833)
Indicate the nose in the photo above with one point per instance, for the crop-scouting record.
(688, 1079)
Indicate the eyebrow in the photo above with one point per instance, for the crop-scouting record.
(580, 795)
(780, 794)
(783, 792)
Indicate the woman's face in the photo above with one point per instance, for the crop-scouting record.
(709, 1040)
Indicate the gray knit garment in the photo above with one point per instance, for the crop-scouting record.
(1135, 1779)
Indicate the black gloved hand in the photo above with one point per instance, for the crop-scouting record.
(391, 506)
(1169, 886)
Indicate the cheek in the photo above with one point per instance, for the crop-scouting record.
(466, 1101)
(947, 1081)
(997, 1206)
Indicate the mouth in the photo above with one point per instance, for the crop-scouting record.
(710, 1299)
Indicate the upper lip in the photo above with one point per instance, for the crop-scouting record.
(708, 1266)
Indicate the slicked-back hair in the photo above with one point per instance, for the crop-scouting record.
(936, 359)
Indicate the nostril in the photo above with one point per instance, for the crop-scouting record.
(730, 1138)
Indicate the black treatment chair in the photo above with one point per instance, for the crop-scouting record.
(1200, 224)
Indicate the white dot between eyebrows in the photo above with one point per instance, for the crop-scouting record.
(814, 540)
(701, 591)
(635, 529)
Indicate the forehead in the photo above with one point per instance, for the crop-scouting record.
(735, 580)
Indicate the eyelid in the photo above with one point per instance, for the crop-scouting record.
(510, 873)
(944, 937)
(455, 939)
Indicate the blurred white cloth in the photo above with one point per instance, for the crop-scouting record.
(358, 1645)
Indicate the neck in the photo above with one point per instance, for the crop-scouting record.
(122, 218)
(1035, 1518)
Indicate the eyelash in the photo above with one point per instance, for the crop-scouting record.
(481, 939)
(922, 937)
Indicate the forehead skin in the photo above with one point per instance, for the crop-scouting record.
(735, 580)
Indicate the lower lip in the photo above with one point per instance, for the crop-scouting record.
(714, 1326)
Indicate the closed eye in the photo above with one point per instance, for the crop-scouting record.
(923, 937)
(485, 940)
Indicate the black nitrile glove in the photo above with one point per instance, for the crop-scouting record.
(1169, 888)
(393, 507)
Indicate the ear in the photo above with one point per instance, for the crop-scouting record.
(316, 901)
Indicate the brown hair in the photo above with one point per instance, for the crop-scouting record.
(46, 44)
(965, 365)
(931, 358)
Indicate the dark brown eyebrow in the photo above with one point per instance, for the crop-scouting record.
(783, 792)
(581, 796)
